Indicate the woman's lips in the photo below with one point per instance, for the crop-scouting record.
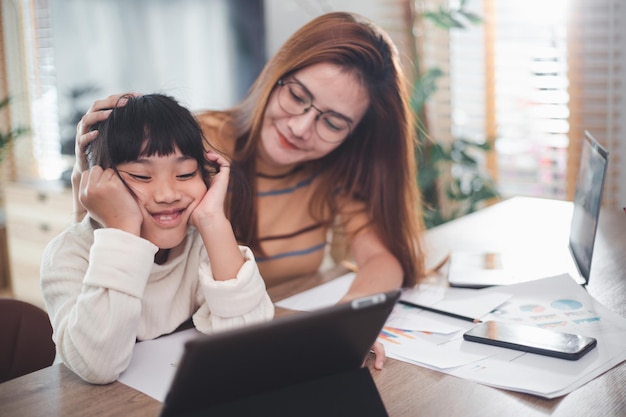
(284, 143)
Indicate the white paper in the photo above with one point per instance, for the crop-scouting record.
(470, 303)
(324, 295)
(410, 318)
(154, 362)
(465, 302)
(558, 303)
(433, 351)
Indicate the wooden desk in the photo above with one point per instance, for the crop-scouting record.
(407, 390)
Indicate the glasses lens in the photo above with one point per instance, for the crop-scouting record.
(332, 128)
(296, 100)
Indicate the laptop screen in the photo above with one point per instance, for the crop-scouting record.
(587, 202)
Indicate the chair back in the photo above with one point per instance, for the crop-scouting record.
(25, 339)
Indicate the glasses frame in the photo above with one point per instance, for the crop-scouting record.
(282, 83)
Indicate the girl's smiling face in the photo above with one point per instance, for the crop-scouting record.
(167, 189)
(288, 139)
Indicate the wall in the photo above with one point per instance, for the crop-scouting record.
(283, 18)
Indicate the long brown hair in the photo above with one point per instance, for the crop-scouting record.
(375, 164)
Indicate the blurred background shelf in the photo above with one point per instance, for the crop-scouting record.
(34, 214)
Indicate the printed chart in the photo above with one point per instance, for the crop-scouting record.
(557, 303)
(558, 313)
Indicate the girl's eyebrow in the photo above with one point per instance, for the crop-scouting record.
(146, 160)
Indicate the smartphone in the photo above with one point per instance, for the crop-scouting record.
(531, 339)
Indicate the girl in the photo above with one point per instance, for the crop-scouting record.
(155, 248)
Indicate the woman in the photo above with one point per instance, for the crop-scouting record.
(326, 140)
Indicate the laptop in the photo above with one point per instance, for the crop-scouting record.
(302, 364)
(488, 268)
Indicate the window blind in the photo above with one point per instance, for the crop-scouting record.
(43, 90)
(596, 42)
(517, 59)
(553, 70)
(30, 72)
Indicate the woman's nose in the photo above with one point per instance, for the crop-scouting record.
(303, 125)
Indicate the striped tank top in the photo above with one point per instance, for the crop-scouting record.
(293, 242)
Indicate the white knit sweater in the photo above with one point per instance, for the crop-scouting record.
(104, 292)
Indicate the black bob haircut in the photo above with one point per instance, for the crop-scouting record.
(148, 125)
(155, 124)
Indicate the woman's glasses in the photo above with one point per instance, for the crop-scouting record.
(294, 99)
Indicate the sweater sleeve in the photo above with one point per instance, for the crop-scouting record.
(235, 302)
(93, 295)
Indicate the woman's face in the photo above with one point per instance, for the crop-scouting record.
(288, 139)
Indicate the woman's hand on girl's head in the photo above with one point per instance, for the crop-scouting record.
(99, 111)
(212, 203)
(108, 201)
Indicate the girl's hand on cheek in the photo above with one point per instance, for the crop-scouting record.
(212, 204)
(108, 201)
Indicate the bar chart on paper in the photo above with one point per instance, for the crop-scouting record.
(395, 336)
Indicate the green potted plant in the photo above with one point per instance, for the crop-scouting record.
(448, 174)
(7, 137)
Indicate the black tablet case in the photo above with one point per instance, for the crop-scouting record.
(302, 364)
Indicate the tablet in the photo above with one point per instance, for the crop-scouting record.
(227, 366)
